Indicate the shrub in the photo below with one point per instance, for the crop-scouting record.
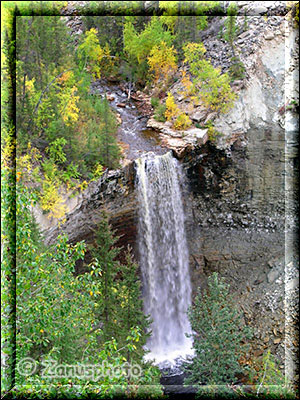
(217, 335)
(182, 122)
(56, 152)
(237, 69)
(51, 201)
(162, 61)
(212, 87)
(160, 113)
(154, 102)
(212, 132)
(269, 378)
(172, 110)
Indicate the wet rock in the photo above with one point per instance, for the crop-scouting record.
(177, 145)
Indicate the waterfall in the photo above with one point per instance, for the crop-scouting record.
(164, 257)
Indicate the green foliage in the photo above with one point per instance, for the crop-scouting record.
(47, 323)
(53, 101)
(179, 119)
(56, 152)
(218, 333)
(159, 109)
(269, 380)
(138, 46)
(92, 56)
(118, 304)
(212, 87)
(97, 172)
(131, 309)
(108, 152)
(162, 61)
(212, 132)
(182, 122)
(237, 69)
(159, 114)
(154, 102)
(231, 29)
(186, 28)
(56, 319)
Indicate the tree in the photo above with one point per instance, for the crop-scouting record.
(53, 306)
(92, 56)
(213, 88)
(108, 151)
(131, 313)
(218, 335)
(173, 113)
(138, 46)
(162, 61)
(105, 256)
(119, 305)
(237, 68)
(186, 28)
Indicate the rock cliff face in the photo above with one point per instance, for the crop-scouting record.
(239, 195)
(113, 193)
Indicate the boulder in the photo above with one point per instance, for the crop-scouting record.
(199, 116)
(258, 10)
(163, 127)
(177, 145)
(110, 97)
(198, 136)
(118, 118)
(210, 117)
(269, 36)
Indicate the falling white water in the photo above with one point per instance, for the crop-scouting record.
(164, 256)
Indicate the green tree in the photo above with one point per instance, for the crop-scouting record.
(186, 28)
(131, 309)
(119, 305)
(109, 151)
(208, 83)
(237, 68)
(231, 26)
(138, 46)
(105, 254)
(162, 61)
(95, 58)
(218, 335)
(53, 306)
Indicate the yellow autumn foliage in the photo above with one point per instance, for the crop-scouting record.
(173, 113)
(172, 110)
(68, 105)
(98, 59)
(187, 84)
(51, 201)
(162, 61)
(182, 122)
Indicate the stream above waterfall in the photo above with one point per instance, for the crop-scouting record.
(133, 135)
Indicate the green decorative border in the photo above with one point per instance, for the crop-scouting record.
(9, 11)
